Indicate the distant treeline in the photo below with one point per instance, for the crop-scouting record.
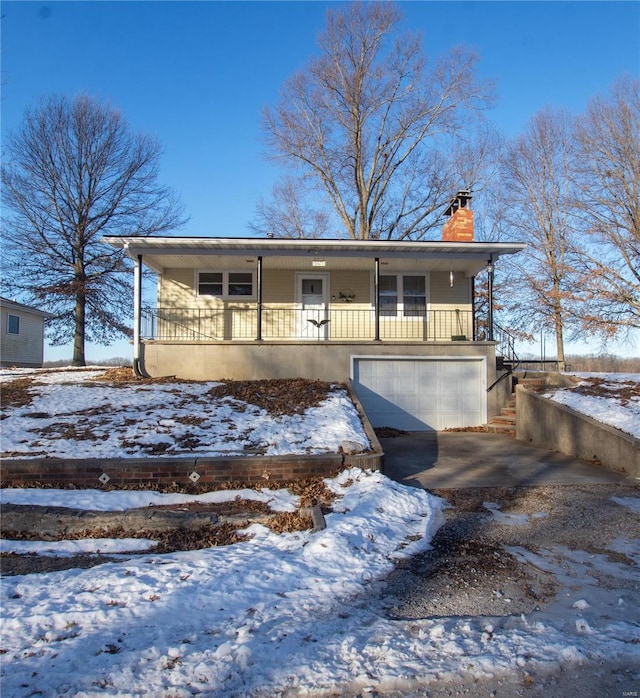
(591, 363)
(116, 361)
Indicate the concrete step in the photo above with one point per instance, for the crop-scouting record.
(536, 384)
(508, 419)
(504, 429)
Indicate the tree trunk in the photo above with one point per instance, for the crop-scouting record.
(559, 326)
(78, 335)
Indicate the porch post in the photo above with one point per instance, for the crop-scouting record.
(259, 293)
(376, 292)
(137, 305)
(474, 333)
(490, 309)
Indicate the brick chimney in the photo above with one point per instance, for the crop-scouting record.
(459, 227)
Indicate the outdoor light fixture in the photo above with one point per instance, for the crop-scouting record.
(451, 278)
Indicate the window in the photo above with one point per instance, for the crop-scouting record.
(388, 288)
(403, 295)
(414, 299)
(210, 283)
(225, 284)
(240, 284)
(13, 324)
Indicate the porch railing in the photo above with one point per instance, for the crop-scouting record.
(277, 323)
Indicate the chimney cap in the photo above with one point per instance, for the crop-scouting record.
(461, 200)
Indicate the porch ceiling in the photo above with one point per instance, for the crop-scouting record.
(337, 255)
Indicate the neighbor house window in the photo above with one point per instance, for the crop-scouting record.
(13, 324)
(226, 284)
(402, 295)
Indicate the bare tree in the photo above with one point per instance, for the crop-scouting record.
(291, 214)
(608, 176)
(538, 207)
(377, 132)
(74, 173)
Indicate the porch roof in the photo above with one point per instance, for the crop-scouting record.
(159, 253)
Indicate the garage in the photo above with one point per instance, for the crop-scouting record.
(421, 394)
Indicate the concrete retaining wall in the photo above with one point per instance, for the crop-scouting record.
(548, 424)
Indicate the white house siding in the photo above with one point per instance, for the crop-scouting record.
(25, 349)
(176, 288)
(201, 317)
(443, 296)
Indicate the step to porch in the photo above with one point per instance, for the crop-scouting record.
(505, 422)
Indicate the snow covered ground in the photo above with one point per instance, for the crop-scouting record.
(296, 613)
(610, 398)
(74, 416)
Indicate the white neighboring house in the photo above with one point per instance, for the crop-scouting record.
(22, 335)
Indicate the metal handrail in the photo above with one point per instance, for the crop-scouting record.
(290, 323)
(505, 347)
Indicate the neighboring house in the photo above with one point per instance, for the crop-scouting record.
(396, 317)
(22, 335)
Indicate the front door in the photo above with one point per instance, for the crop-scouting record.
(311, 300)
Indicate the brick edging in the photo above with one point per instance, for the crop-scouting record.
(182, 471)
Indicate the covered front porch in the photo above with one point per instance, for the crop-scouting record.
(309, 291)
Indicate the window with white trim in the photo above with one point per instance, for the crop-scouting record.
(13, 324)
(226, 284)
(403, 295)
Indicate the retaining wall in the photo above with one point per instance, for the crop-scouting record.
(548, 424)
(167, 471)
(123, 472)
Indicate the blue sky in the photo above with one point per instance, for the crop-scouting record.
(197, 74)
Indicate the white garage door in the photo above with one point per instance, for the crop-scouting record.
(421, 394)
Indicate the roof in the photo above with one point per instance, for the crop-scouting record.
(160, 253)
(14, 305)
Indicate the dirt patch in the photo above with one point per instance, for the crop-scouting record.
(277, 396)
(16, 393)
(469, 570)
(620, 391)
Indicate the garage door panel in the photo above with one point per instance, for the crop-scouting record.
(421, 394)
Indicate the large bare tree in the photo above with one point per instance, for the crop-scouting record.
(608, 176)
(538, 207)
(384, 137)
(75, 172)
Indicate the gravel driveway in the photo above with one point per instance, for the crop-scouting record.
(551, 553)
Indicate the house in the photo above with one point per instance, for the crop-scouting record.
(22, 335)
(395, 317)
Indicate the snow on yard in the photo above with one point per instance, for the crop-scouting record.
(74, 416)
(277, 614)
(610, 398)
(295, 613)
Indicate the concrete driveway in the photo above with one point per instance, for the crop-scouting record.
(434, 460)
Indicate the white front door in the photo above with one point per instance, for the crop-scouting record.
(311, 302)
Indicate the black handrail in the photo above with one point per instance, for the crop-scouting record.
(505, 348)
